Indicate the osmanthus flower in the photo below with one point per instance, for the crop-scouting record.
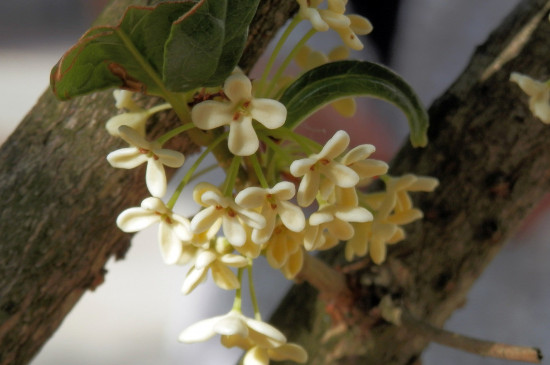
(141, 151)
(238, 113)
(258, 355)
(197, 242)
(272, 203)
(323, 164)
(250, 249)
(284, 251)
(393, 208)
(218, 260)
(539, 95)
(234, 323)
(347, 26)
(335, 217)
(173, 228)
(366, 168)
(219, 207)
(135, 117)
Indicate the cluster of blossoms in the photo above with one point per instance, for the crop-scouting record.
(264, 213)
(333, 17)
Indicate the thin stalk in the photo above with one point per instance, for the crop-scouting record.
(174, 132)
(232, 173)
(288, 59)
(251, 289)
(258, 171)
(237, 302)
(295, 21)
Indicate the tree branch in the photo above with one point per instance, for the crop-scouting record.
(469, 344)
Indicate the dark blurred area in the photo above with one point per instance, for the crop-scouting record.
(383, 16)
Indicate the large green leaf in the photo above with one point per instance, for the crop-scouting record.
(205, 45)
(337, 80)
(174, 46)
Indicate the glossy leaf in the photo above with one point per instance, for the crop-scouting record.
(337, 80)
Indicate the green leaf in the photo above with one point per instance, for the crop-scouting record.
(129, 55)
(174, 46)
(205, 45)
(337, 80)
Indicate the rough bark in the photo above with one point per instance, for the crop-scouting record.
(491, 156)
(60, 199)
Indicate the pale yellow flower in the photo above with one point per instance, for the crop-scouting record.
(141, 151)
(323, 165)
(393, 208)
(219, 207)
(284, 251)
(235, 324)
(260, 353)
(135, 117)
(539, 95)
(218, 260)
(173, 228)
(272, 203)
(238, 113)
(347, 26)
(366, 168)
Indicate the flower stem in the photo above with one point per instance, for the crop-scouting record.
(308, 145)
(232, 173)
(190, 172)
(237, 302)
(288, 59)
(174, 132)
(258, 171)
(251, 289)
(295, 21)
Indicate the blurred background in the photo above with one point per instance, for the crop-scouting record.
(136, 315)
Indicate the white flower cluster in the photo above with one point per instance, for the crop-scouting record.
(333, 17)
(234, 227)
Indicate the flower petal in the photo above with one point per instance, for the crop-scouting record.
(204, 219)
(238, 87)
(211, 114)
(170, 158)
(200, 331)
(256, 356)
(136, 219)
(233, 231)
(309, 186)
(155, 178)
(251, 197)
(288, 351)
(193, 279)
(335, 145)
(232, 324)
(224, 277)
(340, 174)
(242, 140)
(170, 244)
(269, 112)
(126, 158)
